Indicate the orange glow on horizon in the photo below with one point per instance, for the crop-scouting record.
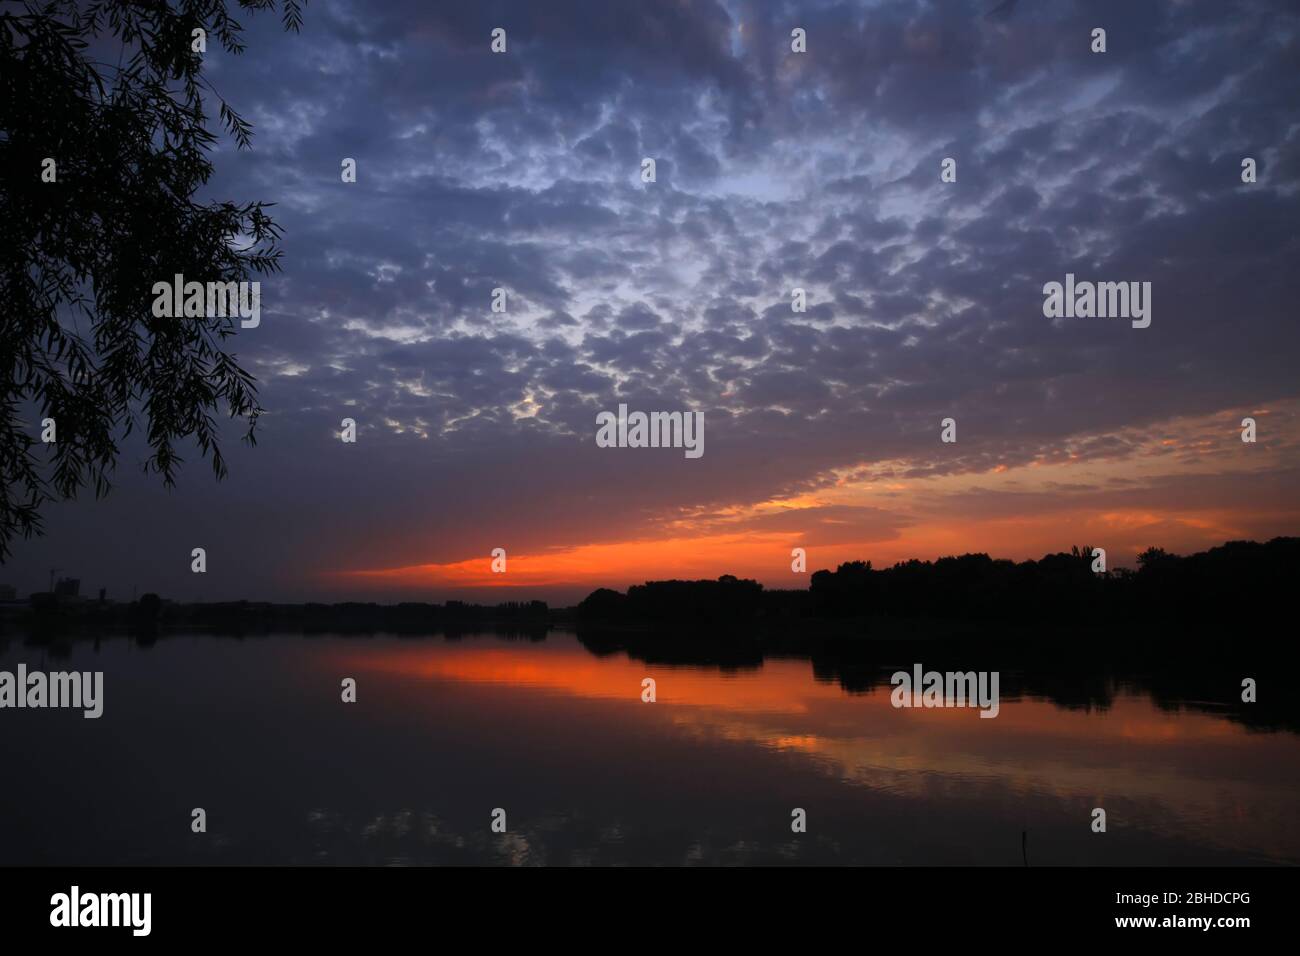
(766, 556)
(887, 512)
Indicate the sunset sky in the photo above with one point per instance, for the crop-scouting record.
(774, 171)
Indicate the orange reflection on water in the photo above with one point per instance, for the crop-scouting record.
(1173, 771)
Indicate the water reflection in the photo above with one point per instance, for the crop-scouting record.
(445, 731)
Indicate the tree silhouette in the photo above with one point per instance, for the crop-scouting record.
(1244, 582)
(1152, 558)
(86, 237)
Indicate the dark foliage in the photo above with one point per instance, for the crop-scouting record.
(1241, 582)
(79, 255)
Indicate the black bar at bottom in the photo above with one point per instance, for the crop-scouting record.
(238, 904)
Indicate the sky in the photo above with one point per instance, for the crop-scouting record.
(775, 170)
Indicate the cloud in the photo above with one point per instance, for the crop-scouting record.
(521, 171)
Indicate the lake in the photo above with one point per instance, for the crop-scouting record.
(446, 731)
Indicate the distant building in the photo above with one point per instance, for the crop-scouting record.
(7, 593)
(68, 587)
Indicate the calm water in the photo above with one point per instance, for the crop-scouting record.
(444, 731)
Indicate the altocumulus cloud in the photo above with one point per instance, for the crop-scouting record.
(521, 171)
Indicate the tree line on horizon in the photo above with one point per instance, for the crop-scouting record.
(1241, 580)
(1238, 582)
